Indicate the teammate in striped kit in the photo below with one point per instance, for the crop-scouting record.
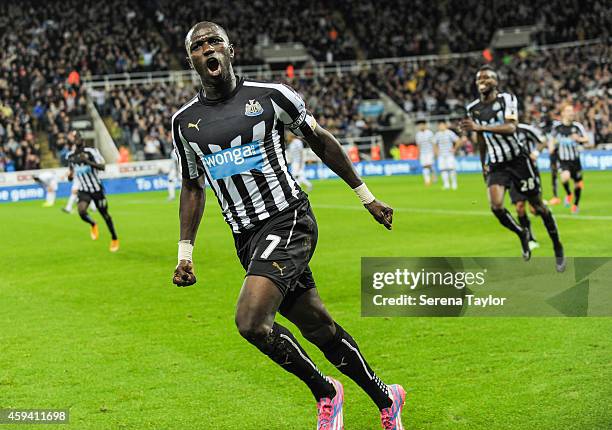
(232, 135)
(566, 137)
(424, 138)
(533, 141)
(505, 162)
(446, 143)
(84, 164)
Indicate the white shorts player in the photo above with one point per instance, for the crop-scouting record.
(447, 162)
(445, 141)
(48, 180)
(424, 140)
(174, 176)
(296, 153)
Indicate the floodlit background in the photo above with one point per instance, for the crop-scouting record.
(108, 336)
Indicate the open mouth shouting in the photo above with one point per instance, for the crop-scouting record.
(213, 66)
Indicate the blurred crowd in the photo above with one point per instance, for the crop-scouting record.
(143, 115)
(251, 22)
(397, 28)
(543, 80)
(47, 49)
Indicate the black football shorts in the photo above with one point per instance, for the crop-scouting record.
(98, 197)
(519, 173)
(574, 167)
(515, 194)
(280, 250)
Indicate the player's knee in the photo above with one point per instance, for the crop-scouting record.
(540, 209)
(520, 208)
(83, 212)
(497, 208)
(253, 331)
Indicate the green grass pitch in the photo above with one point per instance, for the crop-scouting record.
(108, 336)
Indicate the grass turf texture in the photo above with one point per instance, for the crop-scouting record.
(107, 336)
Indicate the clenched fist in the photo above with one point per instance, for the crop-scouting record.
(183, 274)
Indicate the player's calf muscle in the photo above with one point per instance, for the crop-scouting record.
(320, 334)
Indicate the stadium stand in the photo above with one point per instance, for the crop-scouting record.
(543, 80)
(315, 24)
(47, 51)
(141, 114)
(396, 28)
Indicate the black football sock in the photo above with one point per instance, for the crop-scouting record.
(551, 227)
(567, 188)
(85, 217)
(554, 183)
(507, 220)
(526, 223)
(284, 349)
(109, 223)
(577, 192)
(342, 351)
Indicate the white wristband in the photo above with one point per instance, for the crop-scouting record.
(185, 250)
(364, 194)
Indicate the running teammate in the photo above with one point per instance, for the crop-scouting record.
(447, 143)
(533, 141)
(84, 164)
(48, 180)
(425, 141)
(232, 133)
(566, 138)
(505, 162)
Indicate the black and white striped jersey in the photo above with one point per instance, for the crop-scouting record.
(500, 148)
(530, 137)
(85, 175)
(238, 144)
(566, 147)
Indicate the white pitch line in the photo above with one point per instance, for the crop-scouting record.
(432, 211)
(464, 213)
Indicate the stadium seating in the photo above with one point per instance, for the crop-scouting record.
(48, 49)
(542, 80)
(143, 113)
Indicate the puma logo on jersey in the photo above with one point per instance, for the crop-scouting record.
(196, 125)
(253, 108)
(278, 266)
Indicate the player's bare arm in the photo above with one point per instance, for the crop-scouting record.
(458, 143)
(482, 151)
(329, 150)
(579, 138)
(191, 209)
(70, 173)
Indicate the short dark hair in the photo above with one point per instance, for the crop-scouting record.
(487, 68)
